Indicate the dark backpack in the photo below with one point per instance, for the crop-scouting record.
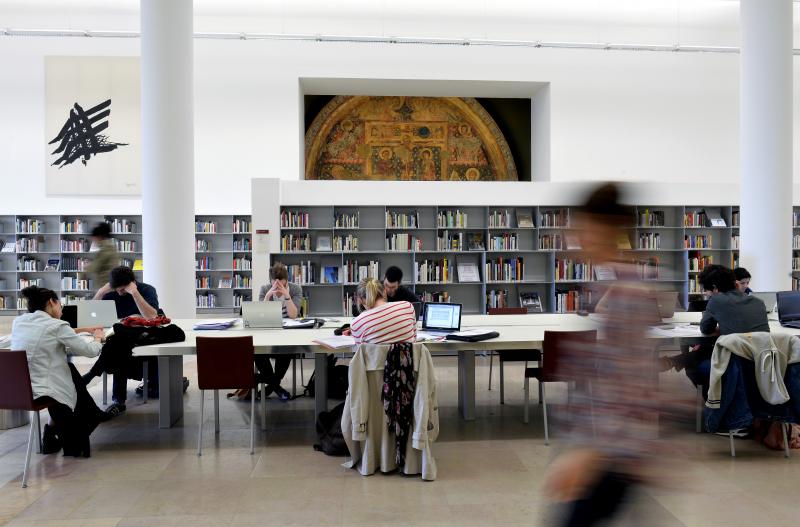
(337, 380)
(329, 431)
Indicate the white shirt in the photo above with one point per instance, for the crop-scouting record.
(47, 341)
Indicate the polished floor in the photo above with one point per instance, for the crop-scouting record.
(490, 473)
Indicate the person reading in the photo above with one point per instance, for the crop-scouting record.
(382, 321)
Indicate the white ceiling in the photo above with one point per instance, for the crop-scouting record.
(688, 22)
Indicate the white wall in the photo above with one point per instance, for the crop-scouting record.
(632, 116)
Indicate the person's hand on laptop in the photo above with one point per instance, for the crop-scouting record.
(89, 329)
(99, 335)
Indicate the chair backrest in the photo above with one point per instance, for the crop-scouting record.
(225, 363)
(558, 344)
(15, 381)
(508, 310)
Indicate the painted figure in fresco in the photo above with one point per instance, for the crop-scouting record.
(427, 166)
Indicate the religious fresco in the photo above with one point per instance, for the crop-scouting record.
(407, 139)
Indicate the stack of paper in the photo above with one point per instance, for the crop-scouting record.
(336, 342)
(214, 324)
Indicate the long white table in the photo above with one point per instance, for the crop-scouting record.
(516, 332)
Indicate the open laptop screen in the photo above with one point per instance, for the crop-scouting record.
(789, 305)
(442, 316)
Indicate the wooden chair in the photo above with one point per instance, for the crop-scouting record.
(548, 371)
(16, 394)
(225, 363)
(532, 355)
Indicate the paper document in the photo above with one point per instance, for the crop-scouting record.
(425, 336)
(336, 342)
(299, 323)
(678, 330)
(473, 332)
(214, 324)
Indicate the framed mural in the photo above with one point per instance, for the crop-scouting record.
(407, 139)
(92, 126)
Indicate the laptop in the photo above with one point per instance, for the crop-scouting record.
(789, 309)
(666, 300)
(262, 315)
(441, 318)
(770, 299)
(102, 313)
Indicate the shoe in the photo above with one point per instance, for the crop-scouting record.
(87, 378)
(282, 394)
(50, 441)
(739, 433)
(185, 384)
(116, 409)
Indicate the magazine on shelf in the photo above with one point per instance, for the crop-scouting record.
(53, 264)
(604, 272)
(324, 244)
(530, 301)
(715, 218)
(524, 220)
(330, 274)
(475, 241)
(468, 272)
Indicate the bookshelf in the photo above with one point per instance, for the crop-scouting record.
(223, 262)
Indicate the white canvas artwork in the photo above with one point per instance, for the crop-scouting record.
(92, 126)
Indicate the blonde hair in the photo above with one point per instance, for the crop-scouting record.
(369, 291)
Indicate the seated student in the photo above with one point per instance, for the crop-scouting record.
(291, 295)
(46, 339)
(742, 280)
(382, 321)
(392, 288)
(131, 298)
(728, 311)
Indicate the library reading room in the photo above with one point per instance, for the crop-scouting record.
(295, 262)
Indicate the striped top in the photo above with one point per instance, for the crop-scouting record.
(390, 322)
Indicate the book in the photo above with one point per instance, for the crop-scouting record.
(530, 301)
(475, 241)
(336, 342)
(324, 243)
(715, 218)
(330, 274)
(623, 242)
(468, 272)
(53, 264)
(524, 220)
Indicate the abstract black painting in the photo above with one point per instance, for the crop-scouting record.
(81, 137)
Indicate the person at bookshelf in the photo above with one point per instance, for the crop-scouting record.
(105, 253)
(395, 292)
(382, 321)
(130, 297)
(742, 280)
(291, 295)
(728, 311)
(48, 341)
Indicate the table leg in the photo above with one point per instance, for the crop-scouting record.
(320, 383)
(170, 390)
(466, 384)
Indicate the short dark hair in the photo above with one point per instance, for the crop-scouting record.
(102, 230)
(741, 273)
(393, 274)
(604, 201)
(719, 277)
(278, 272)
(121, 276)
(38, 297)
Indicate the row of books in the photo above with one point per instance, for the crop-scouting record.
(206, 300)
(301, 273)
(355, 271)
(81, 245)
(698, 241)
(226, 282)
(295, 242)
(203, 263)
(242, 264)
(735, 242)
(402, 220)
(649, 240)
(796, 241)
(347, 221)
(648, 269)
(30, 226)
(696, 218)
(295, 219)
(735, 218)
(433, 271)
(240, 226)
(496, 298)
(209, 227)
(5, 302)
(569, 269)
(434, 296)
(345, 243)
(698, 263)
(572, 301)
(77, 263)
(122, 225)
(499, 298)
(651, 218)
(22, 283)
(554, 218)
(239, 298)
(71, 283)
(505, 269)
(202, 245)
(126, 246)
(403, 242)
(451, 218)
(27, 263)
(499, 218)
(447, 241)
(504, 242)
(29, 245)
(242, 244)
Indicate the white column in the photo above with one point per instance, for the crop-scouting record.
(168, 153)
(766, 142)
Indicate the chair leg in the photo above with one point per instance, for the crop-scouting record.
(200, 424)
(28, 454)
(39, 432)
(733, 446)
(216, 411)
(525, 418)
(145, 381)
(491, 364)
(294, 376)
(540, 393)
(263, 406)
(105, 388)
(699, 413)
(502, 382)
(784, 426)
(544, 415)
(252, 420)
(302, 376)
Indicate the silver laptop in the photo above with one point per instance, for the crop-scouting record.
(101, 313)
(441, 317)
(262, 315)
(770, 299)
(666, 300)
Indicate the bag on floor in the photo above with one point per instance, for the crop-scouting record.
(329, 431)
(770, 433)
(337, 380)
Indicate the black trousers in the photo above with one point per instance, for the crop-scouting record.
(601, 503)
(133, 369)
(73, 427)
(270, 376)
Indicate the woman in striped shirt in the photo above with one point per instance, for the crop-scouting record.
(383, 321)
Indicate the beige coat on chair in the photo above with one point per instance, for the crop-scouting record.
(364, 423)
